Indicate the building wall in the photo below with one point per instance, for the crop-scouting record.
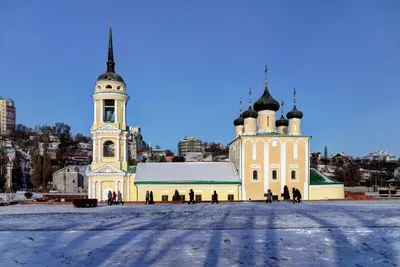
(204, 190)
(71, 181)
(324, 192)
(266, 154)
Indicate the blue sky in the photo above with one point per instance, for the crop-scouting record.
(187, 63)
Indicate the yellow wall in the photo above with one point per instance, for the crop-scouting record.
(266, 121)
(281, 158)
(249, 126)
(239, 130)
(323, 192)
(206, 191)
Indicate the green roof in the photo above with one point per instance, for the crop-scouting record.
(132, 169)
(317, 178)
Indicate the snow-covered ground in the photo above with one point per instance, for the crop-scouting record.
(241, 234)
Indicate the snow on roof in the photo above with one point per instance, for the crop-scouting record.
(187, 172)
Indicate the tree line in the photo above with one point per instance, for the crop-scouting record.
(33, 141)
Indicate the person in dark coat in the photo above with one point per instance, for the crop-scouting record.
(294, 192)
(147, 197)
(109, 198)
(269, 196)
(214, 197)
(191, 196)
(298, 195)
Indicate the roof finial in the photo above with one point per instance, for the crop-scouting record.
(110, 61)
(282, 108)
(265, 74)
(110, 23)
(250, 98)
(294, 96)
(241, 105)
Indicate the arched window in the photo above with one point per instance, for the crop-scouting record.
(98, 87)
(108, 149)
(268, 121)
(293, 175)
(255, 175)
(274, 174)
(108, 86)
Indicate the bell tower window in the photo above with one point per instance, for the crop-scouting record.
(268, 121)
(109, 110)
(108, 149)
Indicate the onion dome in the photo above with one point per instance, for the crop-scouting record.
(294, 113)
(282, 121)
(250, 113)
(110, 74)
(266, 101)
(239, 120)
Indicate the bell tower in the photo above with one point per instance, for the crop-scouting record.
(109, 129)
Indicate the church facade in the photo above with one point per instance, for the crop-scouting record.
(265, 154)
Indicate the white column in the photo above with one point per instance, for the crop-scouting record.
(266, 167)
(306, 170)
(124, 145)
(128, 189)
(93, 190)
(242, 156)
(89, 183)
(283, 166)
(116, 110)
(99, 190)
(100, 148)
(116, 186)
(94, 149)
(123, 112)
(117, 149)
(122, 189)
(94, 113)
(102, 110)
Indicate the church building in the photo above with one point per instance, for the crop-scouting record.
(265, 154)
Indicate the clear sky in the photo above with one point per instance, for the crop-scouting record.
(187, 63)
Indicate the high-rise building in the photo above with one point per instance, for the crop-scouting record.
(189, 144)
(7, 116)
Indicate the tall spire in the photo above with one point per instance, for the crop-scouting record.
(250, 98)
(241, 106)
(282, 108)
(294, 96)
(110, 61)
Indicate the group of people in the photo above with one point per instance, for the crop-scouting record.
(114, 198)
(295, 192)
(214, 197)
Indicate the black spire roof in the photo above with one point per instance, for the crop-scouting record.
(110, 75)
(294, 113)
(250, 113)
(239, 120)
(282, 121)
(266, 101)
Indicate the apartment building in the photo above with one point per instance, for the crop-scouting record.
(7, 116)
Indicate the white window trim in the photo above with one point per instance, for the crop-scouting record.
(258, 175)
(277, 175)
